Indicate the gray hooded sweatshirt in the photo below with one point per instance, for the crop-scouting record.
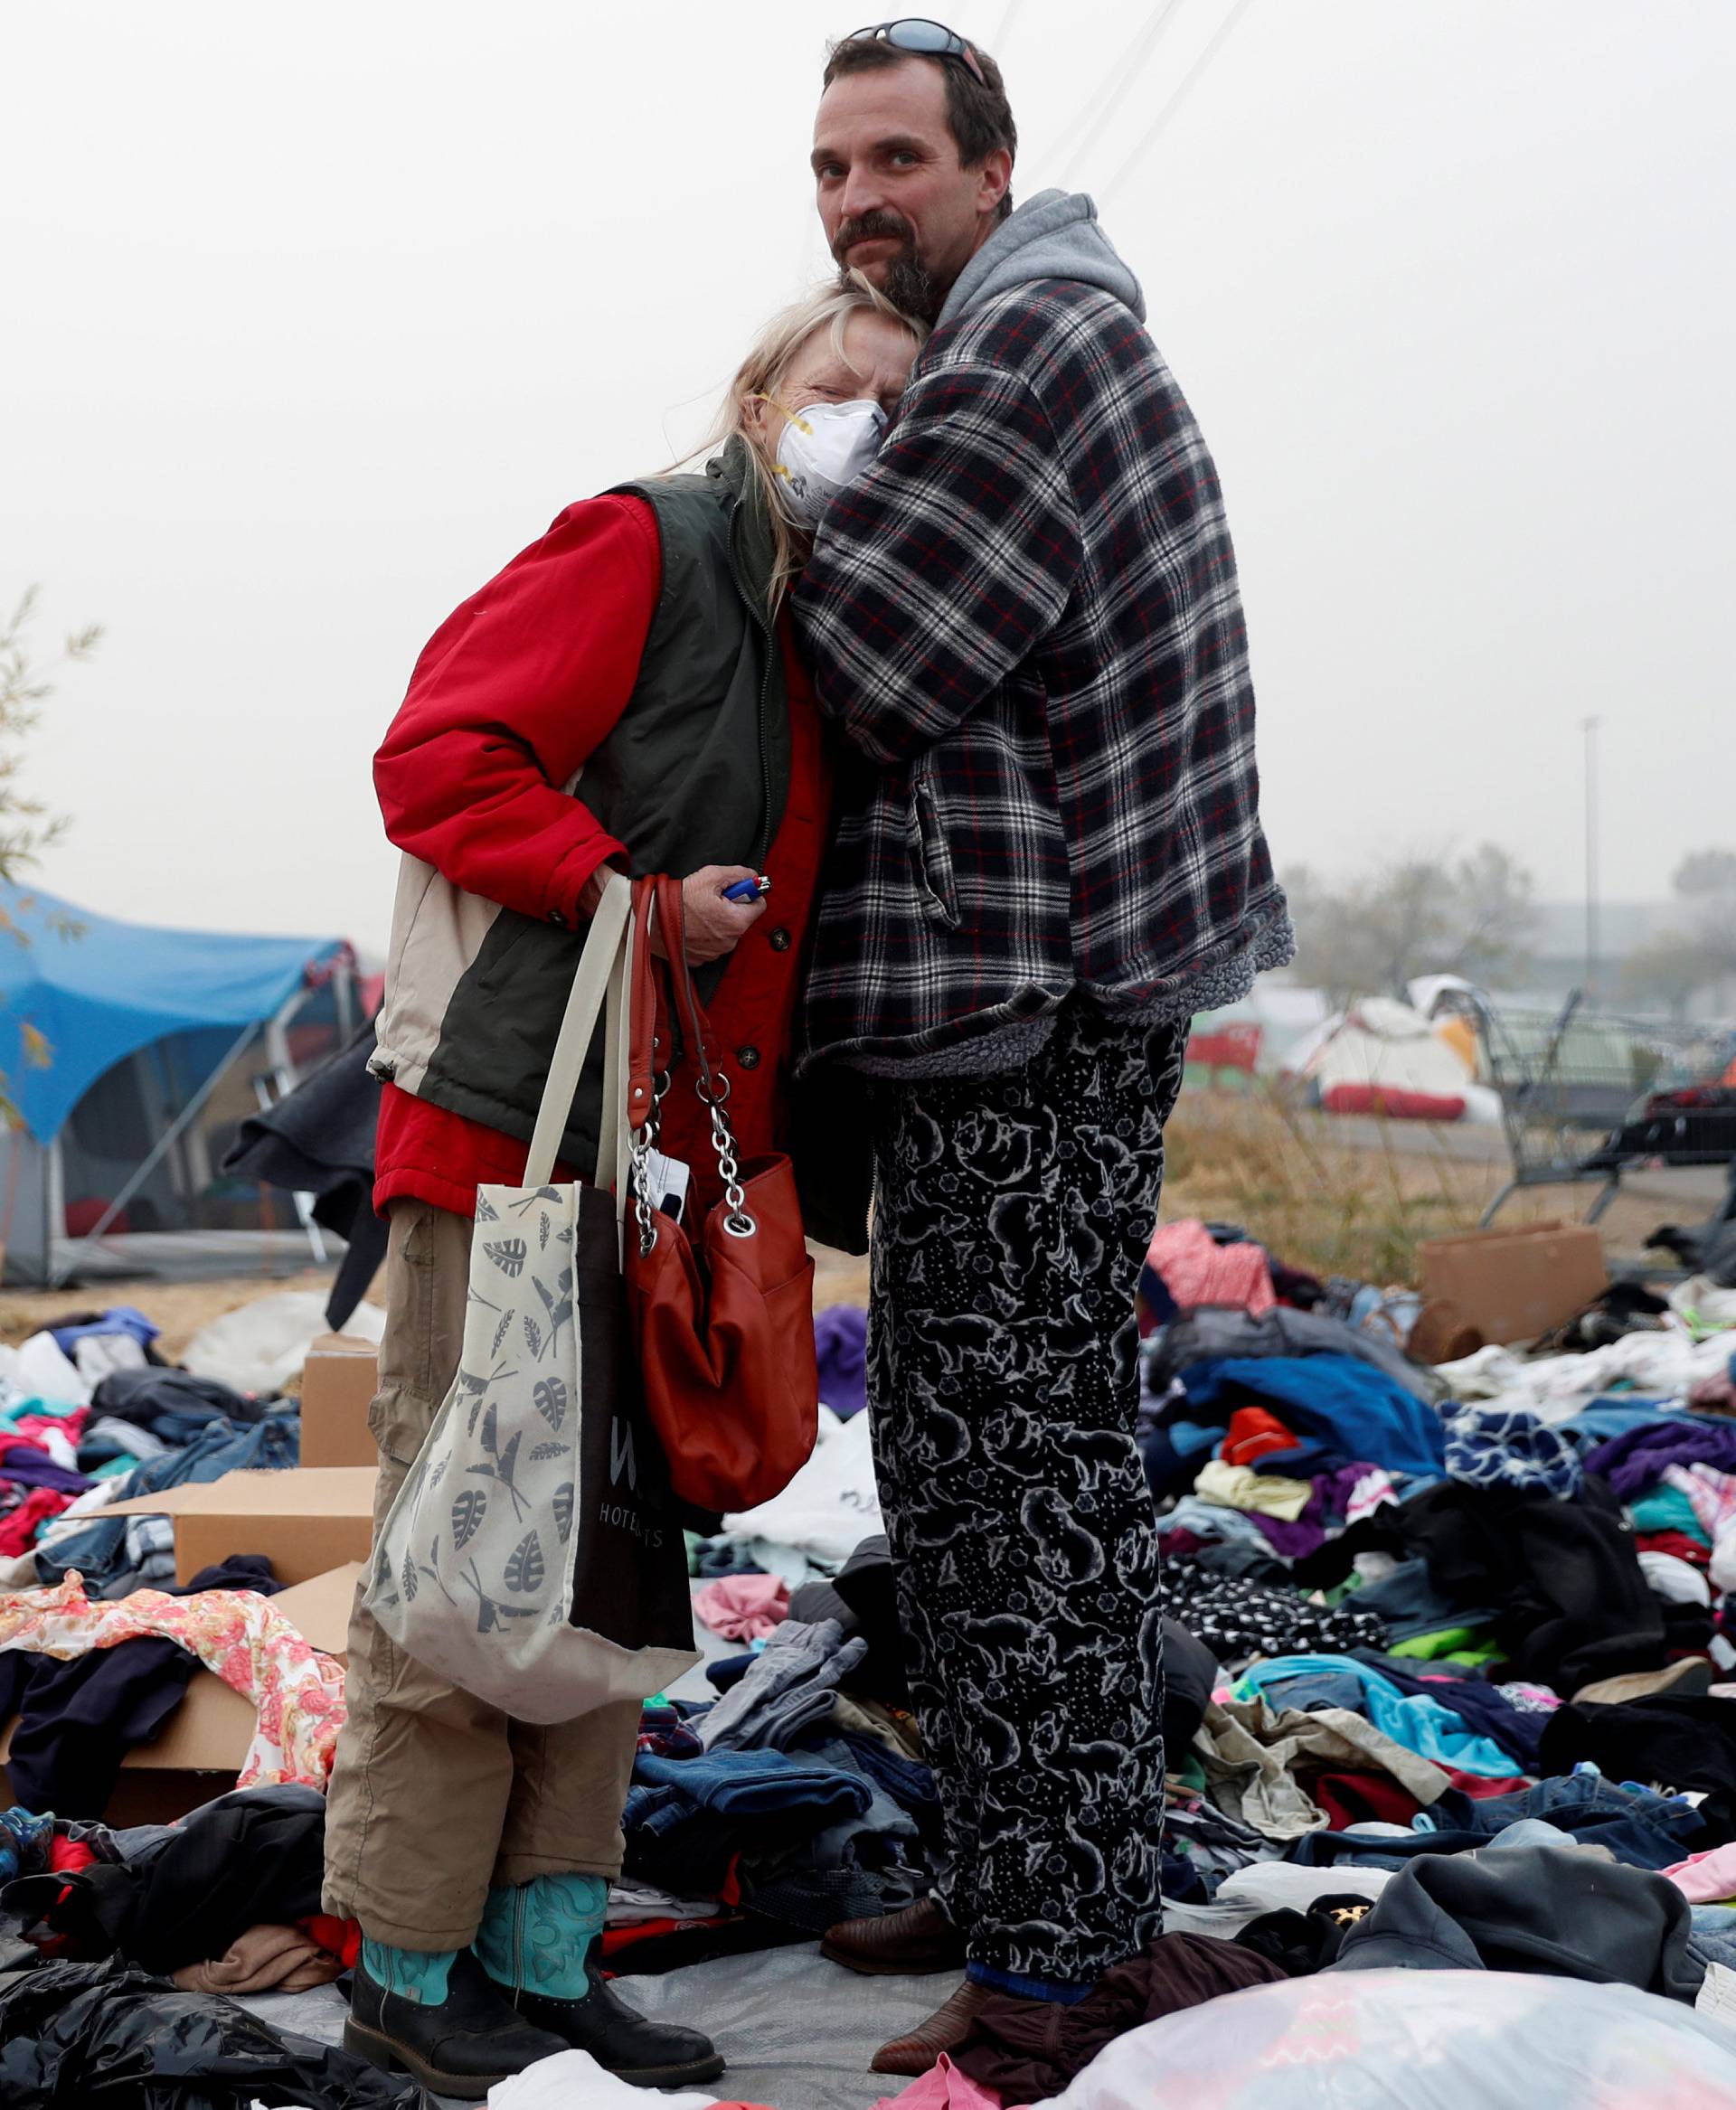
(1055, 235)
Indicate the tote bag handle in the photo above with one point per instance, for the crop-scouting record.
(603, 978)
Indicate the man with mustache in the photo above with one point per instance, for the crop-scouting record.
(1026, 621)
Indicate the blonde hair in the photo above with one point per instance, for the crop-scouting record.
(764, 371)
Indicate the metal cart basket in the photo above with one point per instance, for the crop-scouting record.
(1575, 1079)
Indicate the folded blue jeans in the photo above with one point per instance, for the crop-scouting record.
(99, 1551)
(686, 1818)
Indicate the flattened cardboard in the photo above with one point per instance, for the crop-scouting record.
(1515, 1285)
(338, 1382)
(306, 1520)
(206, 1739)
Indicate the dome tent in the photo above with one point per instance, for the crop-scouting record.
(1382, 1056)
(121, 1053)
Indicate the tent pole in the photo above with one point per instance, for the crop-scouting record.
(164, 1144)
(14, 1132)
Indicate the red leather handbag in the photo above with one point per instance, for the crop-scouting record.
(724, 1324)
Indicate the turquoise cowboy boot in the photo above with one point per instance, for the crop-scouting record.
(539, 1941)
(439, 2016)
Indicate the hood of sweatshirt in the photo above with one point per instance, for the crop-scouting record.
(1053, 235)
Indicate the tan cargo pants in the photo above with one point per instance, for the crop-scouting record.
(434, 1795)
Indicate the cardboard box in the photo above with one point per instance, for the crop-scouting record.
(338, 1382)
(1515, 1285)
(206, 1739)
(306, 1520)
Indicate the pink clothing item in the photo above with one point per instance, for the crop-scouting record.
(237, 1633)
(37, 1426)
(1705, 1878)
(1196, 1271)
(943, 2088)
(1371, 1493)
(1480, 1789)
(744, 1607)
(1712, 1494)
(20, 1524)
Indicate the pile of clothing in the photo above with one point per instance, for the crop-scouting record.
(90, 1414)
(123, 1955)
(1451, 1667)
(1468, 1700)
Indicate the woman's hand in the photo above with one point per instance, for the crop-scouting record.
(714, 926)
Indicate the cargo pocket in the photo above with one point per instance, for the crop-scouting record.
(930, 855)
(411, 1382)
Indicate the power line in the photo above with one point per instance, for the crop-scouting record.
(1176, 100)
(1120, 77)
(1005, 30)
(1114, 88)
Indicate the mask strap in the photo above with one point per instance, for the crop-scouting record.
(795, 416)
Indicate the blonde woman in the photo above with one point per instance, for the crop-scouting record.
(625, 693)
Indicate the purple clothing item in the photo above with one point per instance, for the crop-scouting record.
(1636, 1460)
(841, 1347)
(1325, 1511)
(1292, 1541)
(32, 1467)
(117, 1319)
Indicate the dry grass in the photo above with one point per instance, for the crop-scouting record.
(1325, 1204)
(1295, 1180)
(180, 1308)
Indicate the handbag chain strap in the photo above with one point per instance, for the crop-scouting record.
(712, 1085)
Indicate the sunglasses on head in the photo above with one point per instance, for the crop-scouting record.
(931, 39)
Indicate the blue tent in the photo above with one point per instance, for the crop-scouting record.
(72, 1006)
(130, 1055)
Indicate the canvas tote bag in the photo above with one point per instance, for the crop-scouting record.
(532, 1556)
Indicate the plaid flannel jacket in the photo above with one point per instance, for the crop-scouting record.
(1026, 621)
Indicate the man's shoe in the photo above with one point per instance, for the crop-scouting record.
(644, 2054)
(908, 1944)
(471, 2043)
(945, 2031)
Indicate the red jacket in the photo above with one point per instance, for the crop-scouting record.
(496, 716)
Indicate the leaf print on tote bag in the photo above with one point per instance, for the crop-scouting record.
(508, 1254)
(524, 1570)
(510, 1562)
(467, 1511)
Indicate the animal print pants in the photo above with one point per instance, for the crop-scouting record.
(1012, 1215)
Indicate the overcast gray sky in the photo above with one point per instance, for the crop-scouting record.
(317, 313)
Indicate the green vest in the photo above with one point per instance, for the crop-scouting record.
(697, 772)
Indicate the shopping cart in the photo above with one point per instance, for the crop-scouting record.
(1576, 1085)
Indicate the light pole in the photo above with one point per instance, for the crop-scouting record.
(1589, 726)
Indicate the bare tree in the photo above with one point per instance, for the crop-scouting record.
(1705, 885)
(1701, 949)
(26, 826)
(1424, 914)
(1670, 970)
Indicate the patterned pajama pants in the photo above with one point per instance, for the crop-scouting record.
(1011, 1214)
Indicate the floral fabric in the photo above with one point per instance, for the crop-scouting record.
(236, 1634)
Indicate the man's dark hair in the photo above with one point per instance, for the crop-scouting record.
(978, 115)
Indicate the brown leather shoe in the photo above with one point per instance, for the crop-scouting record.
(945, 2031)
(908, 1944)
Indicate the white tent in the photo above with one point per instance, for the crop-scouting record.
(1382, 1045)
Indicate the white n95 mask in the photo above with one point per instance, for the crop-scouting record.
(824, 448)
